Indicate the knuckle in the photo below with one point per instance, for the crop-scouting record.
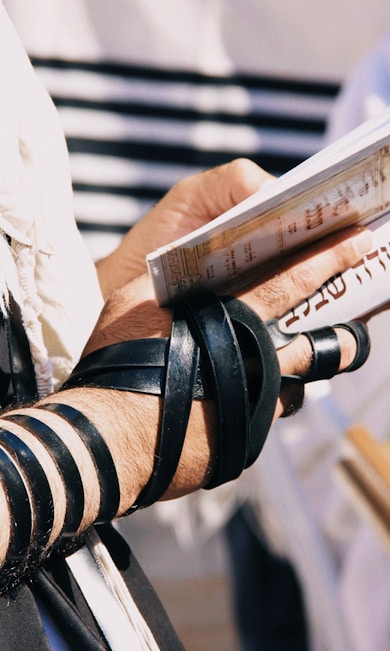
(287, 288)
(345, 254)
(239, 166)
(237, 172)
(273, 295)
(245, 176)
(304, 281)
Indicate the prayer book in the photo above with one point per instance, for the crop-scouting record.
(346, 183)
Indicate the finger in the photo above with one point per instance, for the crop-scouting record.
(241, 178)
(296, 360)
(319, 354)
(347, 349)
(303, 274)
(207, 195)
(297, 357)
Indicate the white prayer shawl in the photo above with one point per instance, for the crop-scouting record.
(52, 277)
(47, 269)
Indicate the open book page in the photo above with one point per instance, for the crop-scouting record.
(346, 183)
(365, 469)
(351, 294)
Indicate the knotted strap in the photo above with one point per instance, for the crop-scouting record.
(218, 349)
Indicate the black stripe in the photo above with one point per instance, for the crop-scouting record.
(260, 82)
(256, 119)
(20, 514)
(174, 154)
(66, 466)
(139, 192)
(100, 455)
(94, 227)
(38, 483)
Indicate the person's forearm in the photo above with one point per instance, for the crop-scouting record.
(133, 465)
(128, 422)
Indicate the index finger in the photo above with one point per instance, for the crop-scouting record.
(300, 276)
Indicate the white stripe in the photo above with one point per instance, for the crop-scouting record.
(204, 97)
(108, 597)
(100, 244)
(109, 208)
(110, 170)
(116, 584)
(206, 136)
(115, 626)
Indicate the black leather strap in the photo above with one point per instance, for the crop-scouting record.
(363, 344)
(66, 466)
(178, 394)
(325, 349)
(325, 354)
(100, 454)
(246, 384)
(262, 372)
(140, 364)
(36, 479)
(17, 376)
(213, 330)
(217, 349)
(21, 518)
(279, 337)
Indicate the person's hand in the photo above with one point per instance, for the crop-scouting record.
(191, 203)
(297, 278)
(129, 422)
(132, 313)
(286, 287)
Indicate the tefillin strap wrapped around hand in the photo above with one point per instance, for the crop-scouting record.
(219, 350)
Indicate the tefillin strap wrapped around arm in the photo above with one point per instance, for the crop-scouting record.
(220, 350)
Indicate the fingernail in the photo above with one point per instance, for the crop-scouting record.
(363, 242)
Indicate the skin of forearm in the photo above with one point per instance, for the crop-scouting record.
(4, 530)
(53, 477)
(129, 421)
(132, 454)
(129, 424)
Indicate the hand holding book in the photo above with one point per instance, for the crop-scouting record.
(346, 183)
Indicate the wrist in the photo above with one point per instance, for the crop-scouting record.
(131, 310)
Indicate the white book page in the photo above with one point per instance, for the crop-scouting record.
(351, 294)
